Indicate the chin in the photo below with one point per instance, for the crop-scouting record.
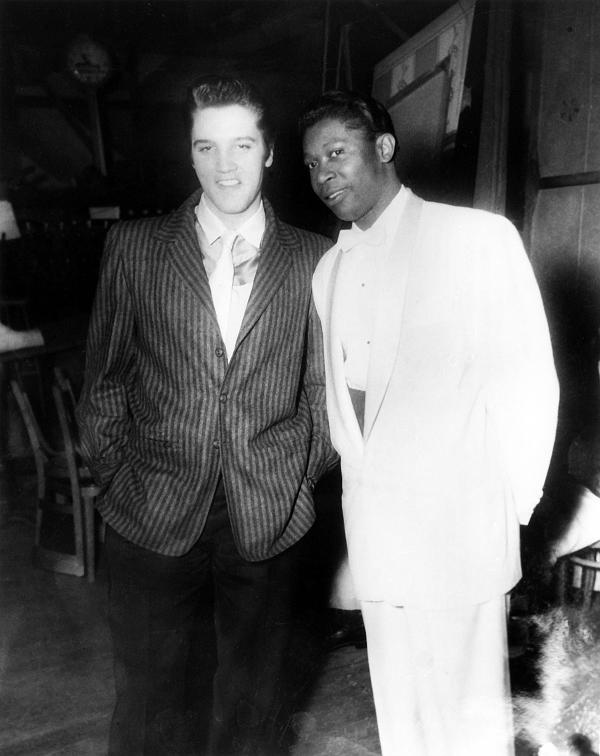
(344, 215)
(232, 208)
(346, 212)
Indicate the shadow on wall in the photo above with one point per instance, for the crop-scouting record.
(571, 296)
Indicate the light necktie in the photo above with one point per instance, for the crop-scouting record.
(230, 263)
(241, 254)
(245, 261)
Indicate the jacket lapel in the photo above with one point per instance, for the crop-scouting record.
(340, 404)
(273, 268)
(179, 235)
(388, 320)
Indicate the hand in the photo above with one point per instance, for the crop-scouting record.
(583, 528)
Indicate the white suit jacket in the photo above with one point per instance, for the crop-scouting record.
(461, 408)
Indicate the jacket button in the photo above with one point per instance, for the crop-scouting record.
(219, 352)
(223, 398)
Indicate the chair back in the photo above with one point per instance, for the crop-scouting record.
(64, 485)
(83, 491)
(65, 404)
(64, 384)
(579, 573)
(41, 449)
(64, 401)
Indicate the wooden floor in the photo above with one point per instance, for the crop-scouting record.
(56, 684)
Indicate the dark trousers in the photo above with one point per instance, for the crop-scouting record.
(168, 616)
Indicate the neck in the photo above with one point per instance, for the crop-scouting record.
(234, 221)
(388, 191)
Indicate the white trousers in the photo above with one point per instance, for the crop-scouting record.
(440, 679)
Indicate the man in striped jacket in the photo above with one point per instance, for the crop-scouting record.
(203, 417)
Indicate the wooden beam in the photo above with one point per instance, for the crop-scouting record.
(344, 58)
(326, 22)
(348, 57)
(97, 139)
(490, 181)
(570, 179)
(386, 20)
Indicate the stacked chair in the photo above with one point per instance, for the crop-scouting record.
(579, 574)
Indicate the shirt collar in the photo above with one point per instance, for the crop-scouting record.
(252, 230)
(384, 228)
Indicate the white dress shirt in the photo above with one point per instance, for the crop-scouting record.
(230, 299)
(356, 288)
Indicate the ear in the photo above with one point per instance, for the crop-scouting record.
(385, 144)
(269, 158)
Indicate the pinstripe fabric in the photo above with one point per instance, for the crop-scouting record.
(162, 411)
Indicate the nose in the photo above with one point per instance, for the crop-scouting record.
(322, 174)
(225, 161)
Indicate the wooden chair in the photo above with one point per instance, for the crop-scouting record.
(40, 448)
(53, 493)
(62, 489)
(66, 388)
(580, 571)
(84, 492)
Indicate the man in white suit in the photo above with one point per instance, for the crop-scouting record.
(442, 400)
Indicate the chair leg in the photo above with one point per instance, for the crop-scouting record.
(90, 539)
(587, 586)
(561, 581)
(38, 522)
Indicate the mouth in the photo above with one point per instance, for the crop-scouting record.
(334, 197)
(228, 182)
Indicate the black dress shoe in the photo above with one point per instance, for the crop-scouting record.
(346, 629)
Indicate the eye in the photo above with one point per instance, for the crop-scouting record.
(203, 147)
(337, 152)
(244, 146)
(311, 164)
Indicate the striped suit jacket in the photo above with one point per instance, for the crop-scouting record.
(162, 411)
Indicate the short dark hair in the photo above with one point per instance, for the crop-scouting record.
(217, 91)
(355, 110)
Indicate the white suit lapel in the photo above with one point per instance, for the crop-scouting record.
(388, 319)
(341, 404)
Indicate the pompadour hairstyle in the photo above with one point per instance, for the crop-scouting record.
(355, 110)
(215, 91)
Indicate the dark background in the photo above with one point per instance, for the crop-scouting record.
(290, 49)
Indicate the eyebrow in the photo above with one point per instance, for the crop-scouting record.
(235, 139)
(333, 144)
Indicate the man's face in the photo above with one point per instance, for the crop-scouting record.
(348, 172)
(229, 156)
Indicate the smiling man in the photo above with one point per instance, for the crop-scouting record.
(203, 417)
(442, 401)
